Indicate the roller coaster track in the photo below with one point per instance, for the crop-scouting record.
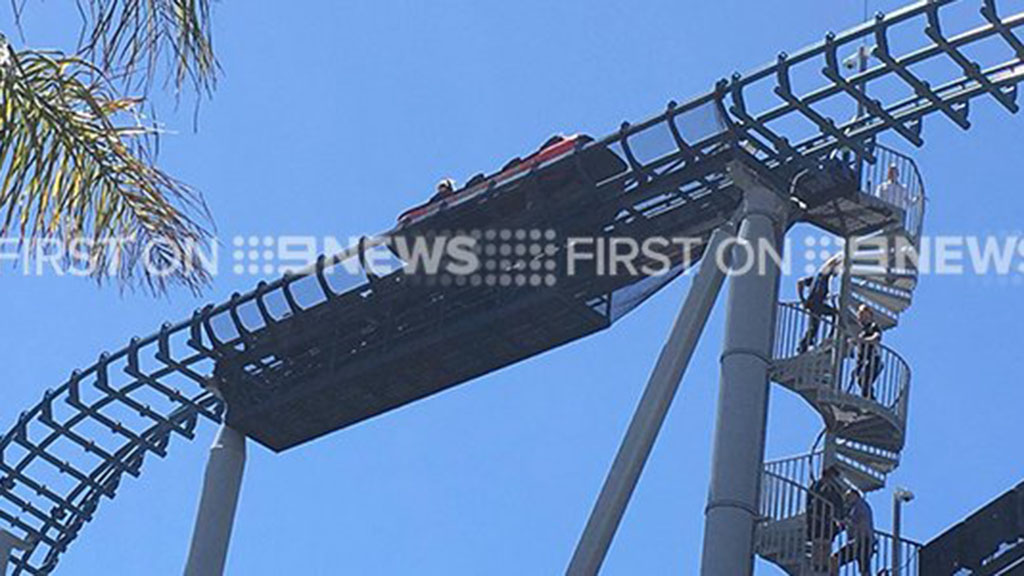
(62, 457)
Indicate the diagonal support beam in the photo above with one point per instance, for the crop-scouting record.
(654, 404)
(8, 543)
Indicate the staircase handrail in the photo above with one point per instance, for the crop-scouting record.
(892, 384)
(783, 500)
(803, 469)
(909, 556)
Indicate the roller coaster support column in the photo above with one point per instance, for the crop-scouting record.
(221, 485)
(739, 437)
(654, 404)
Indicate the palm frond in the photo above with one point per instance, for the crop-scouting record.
(128, 39)
(75, 166)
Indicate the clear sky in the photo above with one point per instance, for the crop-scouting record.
(331, 118)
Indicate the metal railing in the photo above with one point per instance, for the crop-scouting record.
(800, 529)
(878, 555)
(806, 468)
(786, 528)
(883, 561)
(885, 380)
(802, 470)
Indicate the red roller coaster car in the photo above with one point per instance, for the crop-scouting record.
(556, 147)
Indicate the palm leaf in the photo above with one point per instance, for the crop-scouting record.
(128, 39)
(76, 167)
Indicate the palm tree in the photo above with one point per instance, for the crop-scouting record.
(77, 162)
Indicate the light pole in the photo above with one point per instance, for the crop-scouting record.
(900, 497)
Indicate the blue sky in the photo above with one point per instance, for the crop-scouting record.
(332, 118)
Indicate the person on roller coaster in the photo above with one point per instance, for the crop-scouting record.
(445, 188)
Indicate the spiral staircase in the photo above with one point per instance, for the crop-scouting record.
(864, 431)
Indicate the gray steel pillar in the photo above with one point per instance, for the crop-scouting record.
(9, 542)
(739, 437)
(650, 413)
(221, 485)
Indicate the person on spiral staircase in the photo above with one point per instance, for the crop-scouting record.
(892, 190)
(859, 523)
(869, 361)
(816, 301)
(824, 506)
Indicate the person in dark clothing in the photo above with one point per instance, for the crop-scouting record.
(860, 529)
(869, 361)
(824, 508)
(814, 294)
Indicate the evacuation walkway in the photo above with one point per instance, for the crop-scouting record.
(864, 405)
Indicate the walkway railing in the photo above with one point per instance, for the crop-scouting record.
(883, 562)
(879, 555)
(802, 470)
(792, 518)
(885, 380)
(786, 527)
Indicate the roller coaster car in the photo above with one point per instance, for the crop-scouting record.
(393, 341)
(557, 182)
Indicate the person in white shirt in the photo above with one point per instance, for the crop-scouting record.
(892, 191)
